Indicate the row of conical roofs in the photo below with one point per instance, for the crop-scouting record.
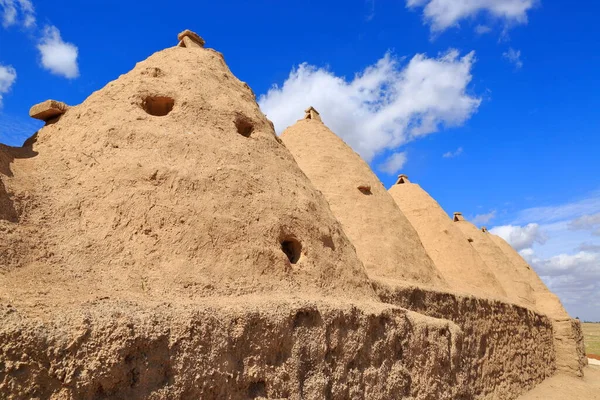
(171, 183)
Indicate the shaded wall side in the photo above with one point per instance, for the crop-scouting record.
(296, 351)
(507, 349)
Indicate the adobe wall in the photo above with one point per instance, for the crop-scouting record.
(507, 349)
(268, 349)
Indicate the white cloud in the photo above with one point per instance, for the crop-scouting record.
(520, 237)
(17, 12)
(452, 154)
(568, 256)
(393, 164)
(8, 76)
(58, 57)
(482, 29)
(514, 56)
(585, 222)
(584, 262)
(587, 206)
(483, 218)
(382, 107)
(575, 277)
(443, 14)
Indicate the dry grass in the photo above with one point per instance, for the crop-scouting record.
(591, 333)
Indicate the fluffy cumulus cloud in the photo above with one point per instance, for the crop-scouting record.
(520, 237)
(443, 14)
(382, 107)
(393, 164)
(574, 277)
(58, 56)
(514, 57)
(8, 76)
(561, 243)
(17, 12)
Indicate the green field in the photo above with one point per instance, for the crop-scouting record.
(591, 333)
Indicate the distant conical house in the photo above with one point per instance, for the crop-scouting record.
(567, 332)
(450, 250)
(517, 288)
(545, 301)
(384, 239)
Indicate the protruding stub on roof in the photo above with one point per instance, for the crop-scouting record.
(189, 39)
(458, 217)
(402, 179)
(48, 110)
(311, 113)
(484, 229)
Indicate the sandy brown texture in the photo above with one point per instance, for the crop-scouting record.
(228, 350)
(518, 289)
(452, 254)
(507, 349)
(567, 387)
(168, 183)
(385, 241)
(545, 301)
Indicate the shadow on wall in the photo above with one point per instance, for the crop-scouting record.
(8, 211)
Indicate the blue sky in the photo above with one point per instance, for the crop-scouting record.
(492, 107)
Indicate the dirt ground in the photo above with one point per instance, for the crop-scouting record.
(562, 387)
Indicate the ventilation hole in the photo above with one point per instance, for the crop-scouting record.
(365, 189)
(292, 249)
(244, 125)
(159, 106)
(470, 240)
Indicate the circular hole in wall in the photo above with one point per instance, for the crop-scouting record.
(159, 106)
(244, 125)
(292, 249)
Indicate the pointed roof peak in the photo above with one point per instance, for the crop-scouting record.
(402, 179)
(190, 39)
(311, 113)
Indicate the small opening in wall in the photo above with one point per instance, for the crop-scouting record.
(365, 189)
(244, 125)
(159, 106)
(292, 249)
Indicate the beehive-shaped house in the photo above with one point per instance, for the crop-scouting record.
(450, 250)
(517, 287)
(384, 239)
(171, 180)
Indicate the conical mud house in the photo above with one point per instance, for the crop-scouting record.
(159, 241)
